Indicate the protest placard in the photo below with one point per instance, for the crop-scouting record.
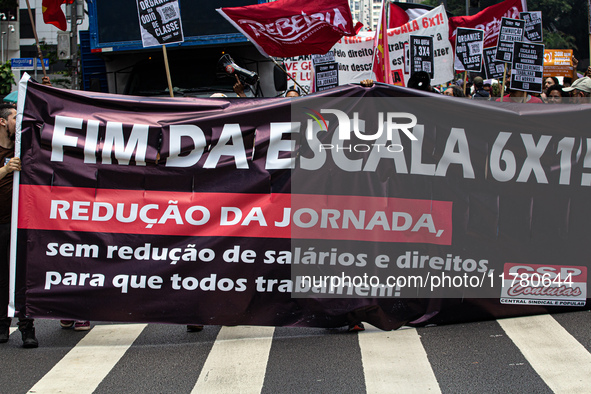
(558, 63)
(328, 57)
(469, 44)
(421, 54)
(492, 67)
(528, 67)
(512, 30)
(326, 76)
(533, 25)
(160, 24)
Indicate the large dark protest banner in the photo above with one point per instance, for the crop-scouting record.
(527, 70)
(379, 203)
(160, 22)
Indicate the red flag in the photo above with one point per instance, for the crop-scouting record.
(381, 54)
(397, 16)
(401, 13)
(53, 14)
(286, 28)
(489, 20)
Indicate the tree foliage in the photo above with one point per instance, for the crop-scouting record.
(558, 40)
(6, 78)
(565, 24)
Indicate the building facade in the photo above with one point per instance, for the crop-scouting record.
(368, 12)
(17, 39)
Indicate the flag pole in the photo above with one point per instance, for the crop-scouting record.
(373, 57)
(286, 73)
(167, 70)
(465, 80)
(503, 83)
(36, 38)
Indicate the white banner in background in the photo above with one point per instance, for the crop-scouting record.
(354, 54)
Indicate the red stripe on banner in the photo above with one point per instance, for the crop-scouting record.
(545, 273)
(235, 214)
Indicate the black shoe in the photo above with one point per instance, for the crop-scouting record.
(4, 329)
(29, 340)
(194, 327)
(4, 334)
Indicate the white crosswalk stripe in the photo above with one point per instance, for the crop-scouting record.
(552, 352)
(87, 364)
(237, 360)
(385, 351)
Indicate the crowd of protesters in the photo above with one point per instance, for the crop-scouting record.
(553, 91)
(479, 89)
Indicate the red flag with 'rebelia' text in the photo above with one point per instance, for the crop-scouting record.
(286, 28)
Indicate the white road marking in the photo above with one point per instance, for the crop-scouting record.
(560, 360)
(87, 364)
(237, 362)
(395, 362)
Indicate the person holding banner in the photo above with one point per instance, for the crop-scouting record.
(366, 83)
(10, 164)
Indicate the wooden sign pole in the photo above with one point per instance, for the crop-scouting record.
(167, 70)
(503, 83)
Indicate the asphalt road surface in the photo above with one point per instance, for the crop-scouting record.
(537, 354)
